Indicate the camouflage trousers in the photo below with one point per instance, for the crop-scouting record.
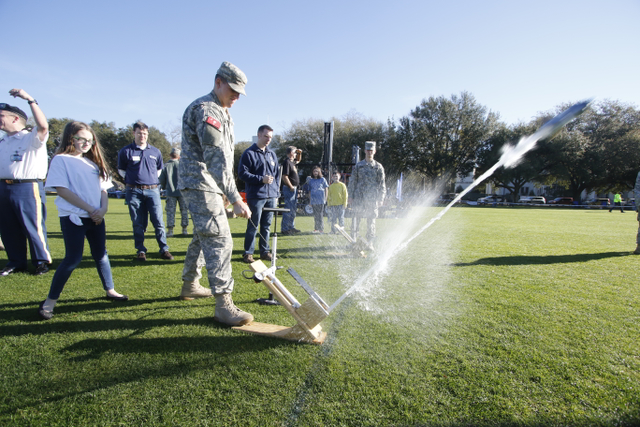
(211, 245)
(170, 210)
(371, 227)
(638, 236)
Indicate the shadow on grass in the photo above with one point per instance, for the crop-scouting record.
(28, 311)
(537, 260)
(183, 355)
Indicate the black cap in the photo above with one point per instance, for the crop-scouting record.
(14, 110)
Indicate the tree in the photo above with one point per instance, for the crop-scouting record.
(352, 129)
(441, 137)
(600, 150)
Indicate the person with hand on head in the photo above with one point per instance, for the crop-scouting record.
(23, 168)
(206, 176)
(80, 176)
(140, 164)
(290, 183)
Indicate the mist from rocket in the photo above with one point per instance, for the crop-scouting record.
(511, 156)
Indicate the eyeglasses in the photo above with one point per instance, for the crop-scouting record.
(83, 140)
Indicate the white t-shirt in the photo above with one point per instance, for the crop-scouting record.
(23, 156)
(79, 175)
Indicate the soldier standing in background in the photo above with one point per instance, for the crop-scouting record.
(169, 183)
(206, 176)
(636, 191)
(366, 191)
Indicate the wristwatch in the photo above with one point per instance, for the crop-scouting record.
(33, 101)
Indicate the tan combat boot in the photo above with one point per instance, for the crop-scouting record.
(194, 290)
(169, 231)
(637, 251)
(227, 312)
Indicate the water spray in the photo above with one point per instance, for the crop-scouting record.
(309, 314)
(511, 156)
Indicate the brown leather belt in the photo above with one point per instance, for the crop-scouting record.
(18, 181)
(143, 187)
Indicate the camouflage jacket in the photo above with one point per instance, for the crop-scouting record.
(366, 186)
(206, 161)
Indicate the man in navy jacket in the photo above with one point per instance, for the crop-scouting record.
(259, 170)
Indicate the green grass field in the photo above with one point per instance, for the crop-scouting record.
(492, 316)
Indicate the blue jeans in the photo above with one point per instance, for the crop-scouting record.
(145, 204)
(290, 198)
(264, 221)
(74, 245)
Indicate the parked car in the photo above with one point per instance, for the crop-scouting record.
(561, 201)
(115, 192)
(604, 201)
(537, 200)
(447, 198)
(490, 199)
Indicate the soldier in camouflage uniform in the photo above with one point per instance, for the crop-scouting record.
(636, 191)
(206, 175)
(366, 191)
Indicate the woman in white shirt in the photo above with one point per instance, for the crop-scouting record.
(81, 178)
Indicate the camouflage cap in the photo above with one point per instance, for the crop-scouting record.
(14, 110)
(370, 145)
(234, 76)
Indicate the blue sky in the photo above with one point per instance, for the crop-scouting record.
(119, 61)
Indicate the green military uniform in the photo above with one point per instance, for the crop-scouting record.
(367, 190)
(206, 174)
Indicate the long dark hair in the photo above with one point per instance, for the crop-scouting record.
(95, 152)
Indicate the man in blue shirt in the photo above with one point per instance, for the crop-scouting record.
(140, 164)
(259, 170)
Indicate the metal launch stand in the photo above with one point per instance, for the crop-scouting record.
(307, 315)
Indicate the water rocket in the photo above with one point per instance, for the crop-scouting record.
(511, 155)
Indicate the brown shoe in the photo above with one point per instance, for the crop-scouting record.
(166, 255)
(266, 256)
(248, 259)
(141, 256)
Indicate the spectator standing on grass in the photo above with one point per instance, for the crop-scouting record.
(140, 164)
(290, 183)
(259, 170)
(336, 202)
(617, 201)
(318, 188)
(23, 168)
(206, 176)
(636, 191)
(169, 183)
(367, 191)
(80, 176)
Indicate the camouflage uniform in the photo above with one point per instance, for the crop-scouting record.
(367, 191)
(636, 191)
(206, 174)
